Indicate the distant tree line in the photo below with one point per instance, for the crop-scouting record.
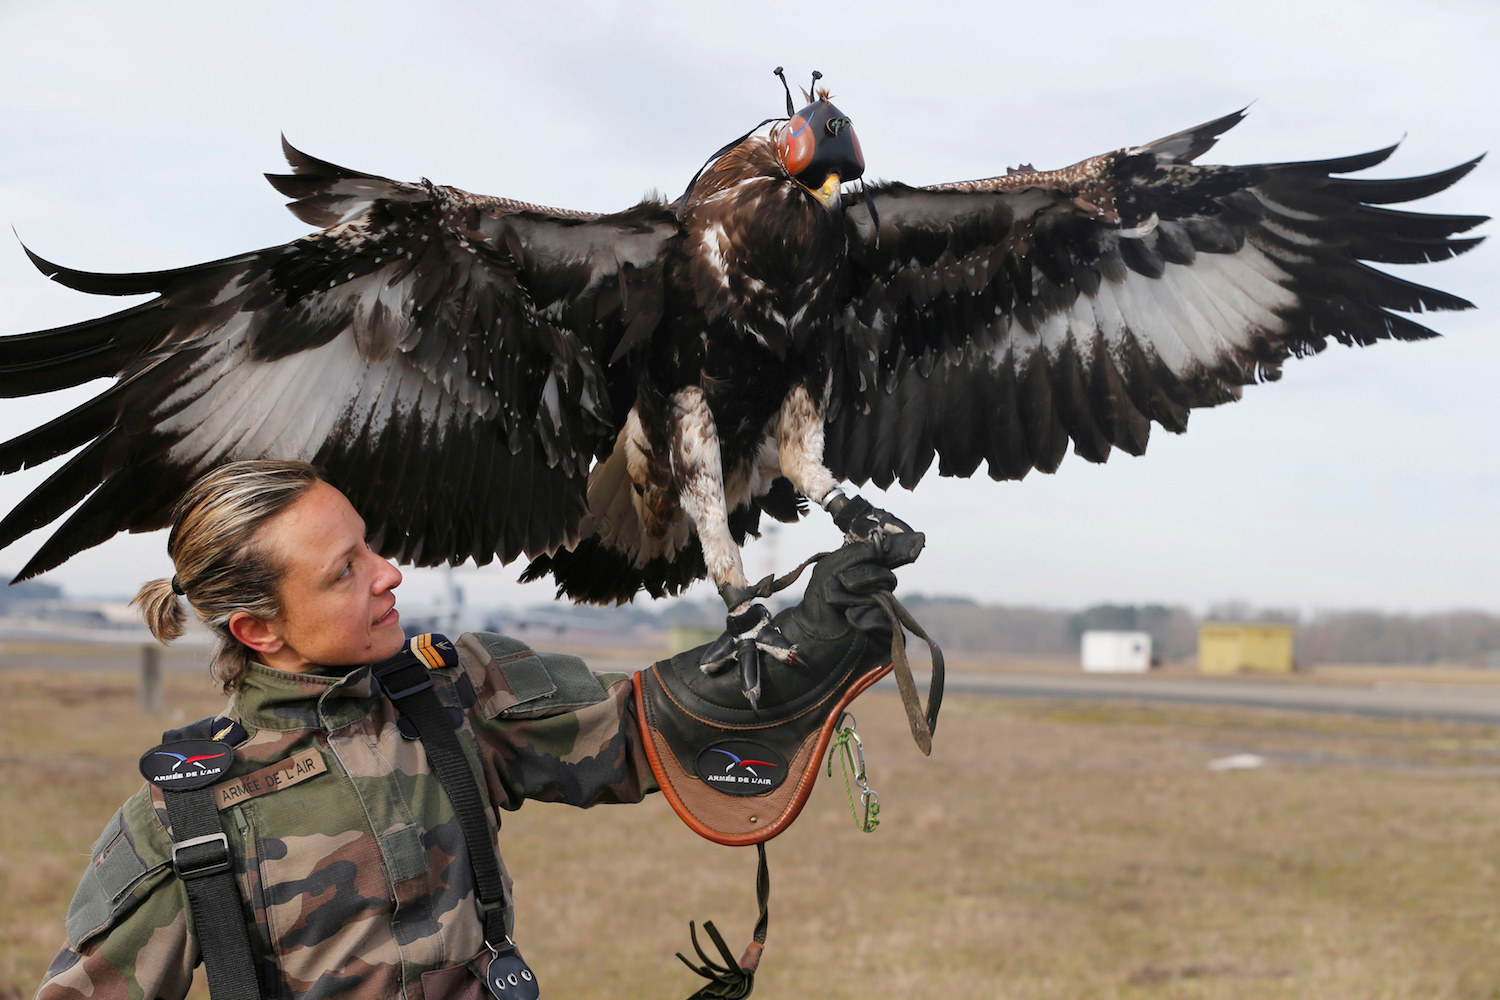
(1467, 637)
(962, 624)
(26, 590)
(1470, 637)
(958, 623)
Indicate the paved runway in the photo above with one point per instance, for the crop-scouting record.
(1460, 703)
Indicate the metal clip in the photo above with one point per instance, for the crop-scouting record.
(508, 974)
(853, 766)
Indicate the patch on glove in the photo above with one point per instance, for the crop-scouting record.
(741, 767)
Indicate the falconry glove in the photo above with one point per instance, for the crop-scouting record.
(739, 774)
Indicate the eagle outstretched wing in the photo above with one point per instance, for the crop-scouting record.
(485, 377)
(996, 320)
(444, 357)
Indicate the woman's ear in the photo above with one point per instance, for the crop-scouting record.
(254, 634)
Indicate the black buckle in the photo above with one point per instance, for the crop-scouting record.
(211, 865)
(385, 677)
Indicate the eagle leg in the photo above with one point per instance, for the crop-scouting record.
(800, 439)
(698, 467)
(698, 470)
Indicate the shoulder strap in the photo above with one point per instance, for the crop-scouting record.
(407, 681)
(185, 769)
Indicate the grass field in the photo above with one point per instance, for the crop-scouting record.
(1047, 849)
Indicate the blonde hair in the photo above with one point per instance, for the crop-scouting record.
(220, 568)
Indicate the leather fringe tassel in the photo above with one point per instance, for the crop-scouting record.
(730, 979)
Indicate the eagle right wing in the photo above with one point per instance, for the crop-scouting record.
(444, 358)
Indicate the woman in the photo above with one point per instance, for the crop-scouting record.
(348, 857)
(353, 872)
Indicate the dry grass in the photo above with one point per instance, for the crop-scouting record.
(1047, 849)
(68, 753)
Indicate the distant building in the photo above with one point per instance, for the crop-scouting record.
(1107, 652)
(1227, 648)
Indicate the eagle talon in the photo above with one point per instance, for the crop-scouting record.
(749, 672)
(716, 654)
(770, 641)
(864, 522)
(739, 625)
(747, 634)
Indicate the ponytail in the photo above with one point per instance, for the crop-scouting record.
(161, 609)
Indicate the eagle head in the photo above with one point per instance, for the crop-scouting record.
(819, 149)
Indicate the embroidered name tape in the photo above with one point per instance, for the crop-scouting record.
(282, 774)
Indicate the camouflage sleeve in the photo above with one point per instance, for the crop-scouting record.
(127, 925)
(551, 729)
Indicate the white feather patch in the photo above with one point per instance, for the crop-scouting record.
(291, 406)
(1193, 317)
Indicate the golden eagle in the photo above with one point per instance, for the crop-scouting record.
(619, 397)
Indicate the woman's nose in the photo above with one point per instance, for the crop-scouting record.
(390, 577)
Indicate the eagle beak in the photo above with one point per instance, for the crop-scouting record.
(828, 194)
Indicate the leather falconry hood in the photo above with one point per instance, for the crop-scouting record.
(818, 141)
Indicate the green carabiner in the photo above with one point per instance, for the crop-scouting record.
(852, 763)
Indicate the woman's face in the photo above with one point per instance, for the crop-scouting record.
(337, 595)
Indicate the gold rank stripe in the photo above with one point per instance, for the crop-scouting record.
(282, 774)
(425, 651)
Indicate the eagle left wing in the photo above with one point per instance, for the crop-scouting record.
(443, 357)
(996, 320)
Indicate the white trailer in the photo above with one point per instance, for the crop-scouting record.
(1116, 652)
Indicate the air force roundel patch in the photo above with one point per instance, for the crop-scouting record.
(186, 764)
(741, 767)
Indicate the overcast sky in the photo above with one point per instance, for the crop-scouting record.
(133, 137)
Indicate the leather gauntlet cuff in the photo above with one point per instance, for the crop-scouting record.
(736, 775)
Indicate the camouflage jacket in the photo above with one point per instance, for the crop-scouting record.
(349, 858)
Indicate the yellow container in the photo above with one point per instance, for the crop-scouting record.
(1225, 648)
